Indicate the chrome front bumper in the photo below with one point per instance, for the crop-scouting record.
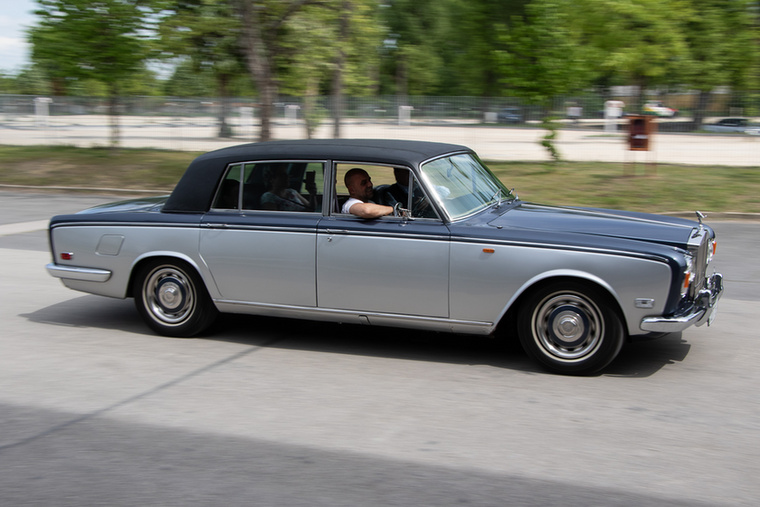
(701, 312)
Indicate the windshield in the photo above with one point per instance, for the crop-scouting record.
(463, 185)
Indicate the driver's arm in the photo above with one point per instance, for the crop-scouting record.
(370, 210)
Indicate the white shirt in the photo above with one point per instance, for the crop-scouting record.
(350, 202)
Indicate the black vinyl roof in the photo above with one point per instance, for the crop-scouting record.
(195, 189)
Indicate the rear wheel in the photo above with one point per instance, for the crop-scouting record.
(172, 299)
(569, 329)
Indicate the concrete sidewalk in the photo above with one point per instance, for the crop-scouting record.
(492, 142)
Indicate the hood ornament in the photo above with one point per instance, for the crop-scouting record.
(700, 217)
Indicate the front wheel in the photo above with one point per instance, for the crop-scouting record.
(172, 299)
(569, 329)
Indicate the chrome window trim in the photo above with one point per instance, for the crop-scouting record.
(147, 225)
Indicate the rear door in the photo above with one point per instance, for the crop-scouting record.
(260, 247)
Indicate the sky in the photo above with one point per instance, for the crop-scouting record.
(15, 17)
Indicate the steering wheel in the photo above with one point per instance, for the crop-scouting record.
(420, 206)
(399, 211)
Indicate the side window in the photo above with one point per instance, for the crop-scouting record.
(390, 185)
(228, 195)
(273, 186)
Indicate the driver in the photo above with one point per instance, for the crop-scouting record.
(359, 203)
(399, 192)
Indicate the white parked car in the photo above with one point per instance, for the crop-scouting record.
(657, 108)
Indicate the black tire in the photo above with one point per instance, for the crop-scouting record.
(172, 299)
(569, 329)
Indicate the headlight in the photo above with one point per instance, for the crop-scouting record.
(688, 274)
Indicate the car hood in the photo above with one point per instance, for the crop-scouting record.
(597, 222)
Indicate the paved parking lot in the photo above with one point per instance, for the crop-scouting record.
(96, 410)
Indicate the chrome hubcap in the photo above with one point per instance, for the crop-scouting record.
(169, 295)
(568, 326)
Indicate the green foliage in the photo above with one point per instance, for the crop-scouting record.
(312, 40)
(472, 45)
(542, 55)
(205, 36)
(642, 42)
(415, 47)
(531, 49)
(723, 44)
(89, 39)
(30, 81)
(547, 142)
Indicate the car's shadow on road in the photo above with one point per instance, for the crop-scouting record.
(638, 359)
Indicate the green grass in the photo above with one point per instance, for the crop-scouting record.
(654, 188)
(661, 188)
(65, 166)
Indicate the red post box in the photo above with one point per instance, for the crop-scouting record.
(641, 128)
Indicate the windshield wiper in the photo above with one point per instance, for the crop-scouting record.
(500, 200)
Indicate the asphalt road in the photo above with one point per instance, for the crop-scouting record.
(95, 410)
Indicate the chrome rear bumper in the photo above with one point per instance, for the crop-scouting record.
(701, 312)
(76, 273)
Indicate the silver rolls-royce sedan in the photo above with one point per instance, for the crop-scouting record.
(392, 233)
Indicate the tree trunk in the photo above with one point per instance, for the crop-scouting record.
(703, 101)
(113, 116)
(402, 84)
(260, 65)
(224, 128)
(310, 113)
(340, 62)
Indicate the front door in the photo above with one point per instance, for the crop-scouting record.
(387, 265)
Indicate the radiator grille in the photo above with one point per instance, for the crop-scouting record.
(698, 247)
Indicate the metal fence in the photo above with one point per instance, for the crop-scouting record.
(499, 128)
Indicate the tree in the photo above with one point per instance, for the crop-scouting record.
(356, 53)
(264, 35)
(91, 39)
(640, 42)
(330, 46)
(542, 56)
(722, 48)
(31, 80)
(308, 52)
(208, 33)
(413, 53)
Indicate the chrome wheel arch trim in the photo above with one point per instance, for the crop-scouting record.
(563, 273)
